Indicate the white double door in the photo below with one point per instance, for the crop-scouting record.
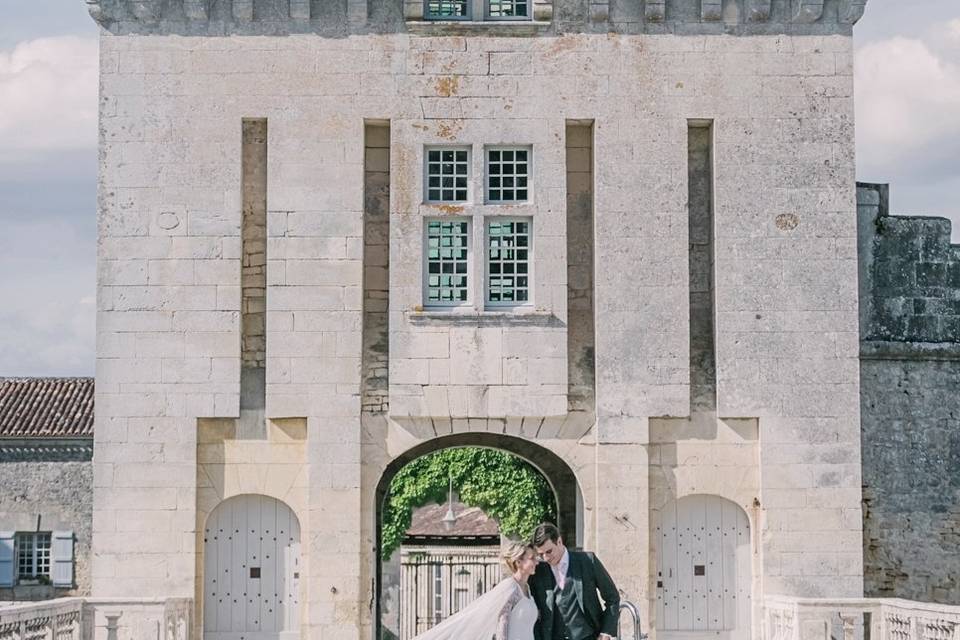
(703, 570)
(251, 571)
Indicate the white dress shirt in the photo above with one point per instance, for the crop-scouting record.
(560, 569)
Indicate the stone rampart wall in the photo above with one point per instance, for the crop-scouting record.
(910, 402)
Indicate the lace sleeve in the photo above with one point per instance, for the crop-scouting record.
(503, 619)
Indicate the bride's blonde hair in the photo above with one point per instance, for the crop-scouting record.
(513, 553)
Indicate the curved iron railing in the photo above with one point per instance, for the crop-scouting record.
(635, 615)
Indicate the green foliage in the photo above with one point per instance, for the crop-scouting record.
(504, 486)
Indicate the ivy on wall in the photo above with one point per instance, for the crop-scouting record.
(503, 486)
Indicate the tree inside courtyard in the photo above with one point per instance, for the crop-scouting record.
(503, 486)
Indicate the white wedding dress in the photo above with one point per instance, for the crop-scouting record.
(503, 613)
(518, 622)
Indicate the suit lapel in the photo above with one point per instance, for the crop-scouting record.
(549, 589)
(575, 573)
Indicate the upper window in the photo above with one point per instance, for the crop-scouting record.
(479, 10)
(33, 556)
(508, 261)
(447, 9)
(508, 9)
(447, 262)
(508, 174)
(447, 174)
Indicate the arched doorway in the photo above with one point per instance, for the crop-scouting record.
(555, 471)
(704, 572)
(251, 571)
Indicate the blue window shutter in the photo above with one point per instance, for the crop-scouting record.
(6, 558)
(62, 553)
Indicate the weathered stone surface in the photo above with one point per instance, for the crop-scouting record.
(786, 323)
(50, 488)
(276, 17)
(910, 407)
(911, 287)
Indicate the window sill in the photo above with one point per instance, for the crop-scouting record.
(471, 27)
(513, 317)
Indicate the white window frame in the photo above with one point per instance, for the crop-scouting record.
(32, 539)
(510, 304)
(469, 275)
(468, 11)
(488, 16)
(487, 175)
(426, 173)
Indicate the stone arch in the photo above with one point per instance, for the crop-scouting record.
(558, 474)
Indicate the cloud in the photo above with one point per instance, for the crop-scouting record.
(908, 99)
(48, 314)
(48, 95)
(953, 29)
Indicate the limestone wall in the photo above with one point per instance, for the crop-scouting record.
(909, 381)
(49, 489)
(169, 295)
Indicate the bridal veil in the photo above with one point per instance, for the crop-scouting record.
(478, 621)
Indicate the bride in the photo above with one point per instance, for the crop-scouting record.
(507, 612)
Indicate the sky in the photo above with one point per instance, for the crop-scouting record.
(907, 70)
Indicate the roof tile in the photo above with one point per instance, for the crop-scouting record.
(46, 407)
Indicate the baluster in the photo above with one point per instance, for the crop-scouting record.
(848, 621)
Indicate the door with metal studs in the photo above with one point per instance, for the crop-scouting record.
(703, 570)
(251, 571)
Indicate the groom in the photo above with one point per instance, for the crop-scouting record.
(565, 588)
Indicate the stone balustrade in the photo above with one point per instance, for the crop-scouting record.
(852, 618)
(97, 619)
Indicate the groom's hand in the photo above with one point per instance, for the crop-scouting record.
(604, 636)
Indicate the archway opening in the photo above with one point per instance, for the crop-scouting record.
(441, 510)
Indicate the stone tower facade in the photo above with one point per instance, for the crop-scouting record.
(615, 237)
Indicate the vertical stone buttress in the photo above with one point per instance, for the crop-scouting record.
(703, 361)
(580, 324)
(253, 280)
(375, 389)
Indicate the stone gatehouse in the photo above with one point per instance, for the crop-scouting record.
(616, 238)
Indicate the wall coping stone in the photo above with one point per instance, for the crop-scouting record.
(682, 17)
(46, 450)
(927, 351)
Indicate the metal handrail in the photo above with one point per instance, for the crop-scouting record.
(635, 614)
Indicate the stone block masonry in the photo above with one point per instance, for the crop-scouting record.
(52, 492)
(911, 287)
(910, 402)
(253, 280)
(581, 341)
(703, 357)
(786, 318)
(376, 268)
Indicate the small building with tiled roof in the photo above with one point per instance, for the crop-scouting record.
(46, 487)
(472, 526)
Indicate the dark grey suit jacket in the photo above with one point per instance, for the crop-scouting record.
(589, 578)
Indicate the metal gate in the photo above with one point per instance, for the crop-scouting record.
(434, 586)
(251, 559)
(703, 568)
